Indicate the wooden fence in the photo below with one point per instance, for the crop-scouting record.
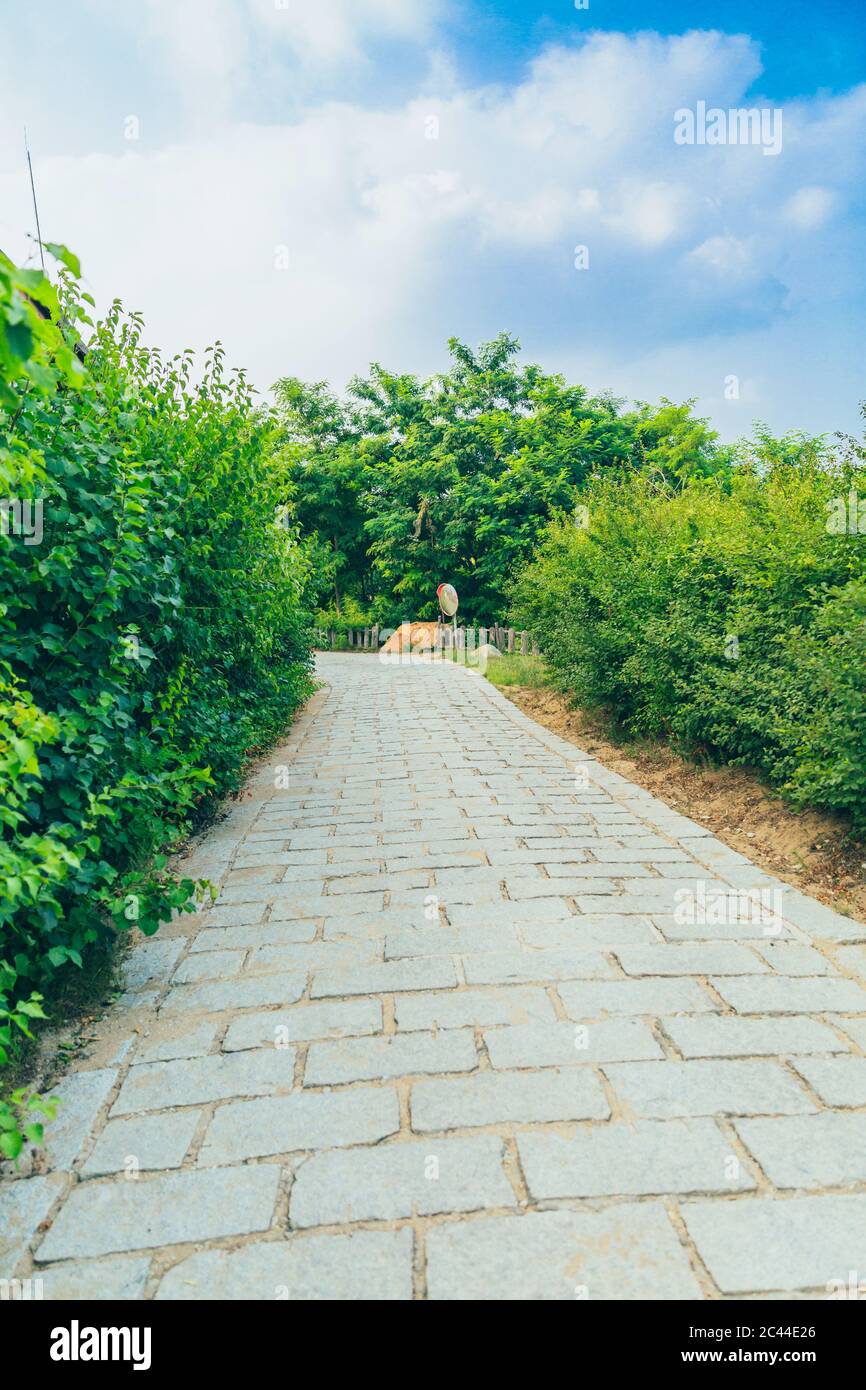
(361, 638)
(461, 639)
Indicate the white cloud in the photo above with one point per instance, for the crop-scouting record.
(396, 240)
(649, 213)
(729, 257)
(205, 46)
(219, 54)
(335, 31)
(809, 208)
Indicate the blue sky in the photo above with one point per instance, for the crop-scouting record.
(324, 184)
(804, 46)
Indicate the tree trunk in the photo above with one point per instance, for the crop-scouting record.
(336, 589)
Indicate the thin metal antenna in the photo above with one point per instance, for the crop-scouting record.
(35, 207)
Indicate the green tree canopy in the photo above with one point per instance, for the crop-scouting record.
(407, 483)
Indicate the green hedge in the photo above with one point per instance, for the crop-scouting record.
(150, 643)
(728, 615)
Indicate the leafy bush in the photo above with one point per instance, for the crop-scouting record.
(151, 641)
(728, 614)
(350, 617)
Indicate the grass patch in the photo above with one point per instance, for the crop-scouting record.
(514, 669)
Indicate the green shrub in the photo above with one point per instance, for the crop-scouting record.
(726, 614)
(350, 617)
(151, 642)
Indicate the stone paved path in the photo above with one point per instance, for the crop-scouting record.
(473, 1018)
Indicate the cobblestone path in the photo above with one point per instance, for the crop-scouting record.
(474, 1018)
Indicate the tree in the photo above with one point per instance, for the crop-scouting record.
(411, 483)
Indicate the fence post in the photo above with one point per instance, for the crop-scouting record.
(374, 636)
(482, 636)
(511, 636)
(535, 646)
(524, 643)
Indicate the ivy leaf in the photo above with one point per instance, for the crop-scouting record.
(63, 254)
(11, 1143)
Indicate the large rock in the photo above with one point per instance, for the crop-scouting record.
(485, 652)
(414, 637)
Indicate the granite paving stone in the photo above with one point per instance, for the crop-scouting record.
(110, 1216)
(652, 1157)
